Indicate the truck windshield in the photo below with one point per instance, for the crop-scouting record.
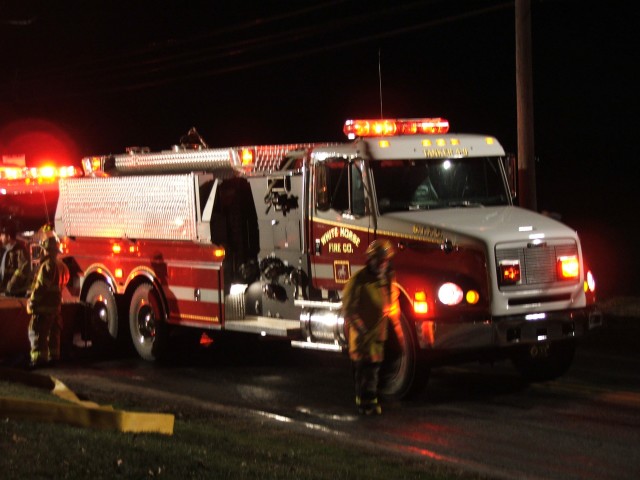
(403, 185)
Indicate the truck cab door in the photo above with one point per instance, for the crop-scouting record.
(341, 221)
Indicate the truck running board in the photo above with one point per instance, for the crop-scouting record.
(275, 327)
(325, 347)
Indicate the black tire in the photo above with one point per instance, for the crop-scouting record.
(545, 361)
(149, 330)
(104, 314)
(403, 372)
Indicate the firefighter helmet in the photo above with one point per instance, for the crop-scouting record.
(380, 250)
(48, 239)
(50, 244)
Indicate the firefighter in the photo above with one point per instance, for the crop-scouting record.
(369, 299)
(45, 302)
(15, 266)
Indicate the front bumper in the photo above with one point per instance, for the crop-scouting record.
(507, 330)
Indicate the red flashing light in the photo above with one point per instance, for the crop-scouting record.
(509, 272)
(46, 173)
(391, 127)
(568, 268)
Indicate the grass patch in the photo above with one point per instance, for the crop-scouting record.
(203, 447)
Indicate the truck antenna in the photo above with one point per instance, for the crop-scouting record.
(380, 81)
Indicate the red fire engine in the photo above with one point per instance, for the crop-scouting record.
(262, 239)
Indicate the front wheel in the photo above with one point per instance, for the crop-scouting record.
(544, 361)
(147, 322)
(403, 372)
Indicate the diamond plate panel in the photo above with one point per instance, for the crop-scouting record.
(150, 207)
(214, 160)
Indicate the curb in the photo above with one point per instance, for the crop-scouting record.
(77, 413)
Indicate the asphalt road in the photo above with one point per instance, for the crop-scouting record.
(482, 418)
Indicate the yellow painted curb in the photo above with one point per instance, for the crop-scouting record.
(78, 413)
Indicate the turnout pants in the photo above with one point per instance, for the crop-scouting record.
(44, 337)
(365, 376)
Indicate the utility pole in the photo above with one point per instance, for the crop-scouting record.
(524, 95)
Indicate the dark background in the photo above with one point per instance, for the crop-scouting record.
(83, 78)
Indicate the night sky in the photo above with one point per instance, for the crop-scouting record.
(103, 75)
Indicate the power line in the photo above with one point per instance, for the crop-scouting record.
(172, 67)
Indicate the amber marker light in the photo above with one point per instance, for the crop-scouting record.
(247, 156)
(218, 253)
(384, 143)
(116, 248)
(472, 297)
(118, 273)
(420, 305)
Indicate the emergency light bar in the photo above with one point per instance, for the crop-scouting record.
(38, 174)
(390, 127)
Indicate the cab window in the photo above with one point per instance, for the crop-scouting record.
(339, 186)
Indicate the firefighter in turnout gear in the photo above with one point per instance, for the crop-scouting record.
(370, 300)
(15, 267)
(44, 304)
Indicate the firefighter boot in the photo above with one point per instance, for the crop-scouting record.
(373, 408)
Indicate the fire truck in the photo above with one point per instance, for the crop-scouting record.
(262, 240)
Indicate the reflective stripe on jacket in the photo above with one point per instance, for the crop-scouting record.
(46, 292)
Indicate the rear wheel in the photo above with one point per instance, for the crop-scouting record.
(147, 324)
(104, 313)
(545, 361)
(403, 372)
